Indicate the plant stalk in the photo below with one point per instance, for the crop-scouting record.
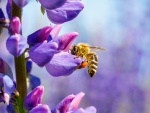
(20, 63)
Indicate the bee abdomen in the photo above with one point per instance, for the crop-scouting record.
(92, 69)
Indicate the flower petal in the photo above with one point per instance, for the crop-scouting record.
(34, 98)
(90, 109)
(42, 108)
(1, 14)
(39, 36)
(80, 110)
(34, 81)
(66, 12)
(52, 4)
(63, 106)
(15, 25)
(10, 109)
(55, 30)
(5, 68)
(76, 101)
(9, 85)
(21, 3)
(9, 8)
(62, 64)
(64, 41)
(29, 66)
(16, 44)
(42, 53)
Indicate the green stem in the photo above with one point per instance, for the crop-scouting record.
(20, 64)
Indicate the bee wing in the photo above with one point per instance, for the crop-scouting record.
(95, 47)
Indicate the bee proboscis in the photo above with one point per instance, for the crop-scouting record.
(84, 50)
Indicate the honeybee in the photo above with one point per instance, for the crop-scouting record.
(91, 58)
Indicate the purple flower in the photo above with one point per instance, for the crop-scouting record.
(7, 86)
(21, 3)
(15, 44)
(28, 66)
(39, 36)
(52, 4)
(34, 98)
(15, 25)
(46, 50)
(62, 64)
(42, 53)
(5, 68)
(70, 105)
(41, 108)
(60, 11)
(9, 8)
(2, 14)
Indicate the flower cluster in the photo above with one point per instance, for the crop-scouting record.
(68, 105)
(45, 48)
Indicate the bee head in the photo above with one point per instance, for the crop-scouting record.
(74, 49)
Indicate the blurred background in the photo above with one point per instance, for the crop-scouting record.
(121, 84)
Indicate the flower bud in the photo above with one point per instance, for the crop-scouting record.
(34, 98)
(15, 25)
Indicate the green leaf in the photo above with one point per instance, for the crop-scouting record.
(37, 0)
(42, 10)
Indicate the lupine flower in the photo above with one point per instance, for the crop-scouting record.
(2, 14)
(21, 3)
(41, 108)
(39, 36)
(9, 8)
(67, 105)
(60, 11)
(7, 86)
(15, 25)
(34, 98)
(70, 105)
(63, 64)
(16, 43)
(46, 49)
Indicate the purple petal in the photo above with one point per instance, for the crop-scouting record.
(5, 68)
(21, 3)
(66, 12)
(52, 4)
(10, 108)
(80, 110)
(16, 44)
(55, 31)
(6, 98)
(39, 36)
(15, 25)
(34, 81)
(29, 66)
(76, 101)
(9, 8)
(42, 53)
(63, 106)
(9, 85)
(62, 64)
(41, 109)
(34, 98)
(2, 14)
(64, 41)
(90, 109)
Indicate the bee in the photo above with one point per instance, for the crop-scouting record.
(91, 58)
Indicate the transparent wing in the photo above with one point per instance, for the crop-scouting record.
(94, 47)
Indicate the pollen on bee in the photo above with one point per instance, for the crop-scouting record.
(82, 65)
